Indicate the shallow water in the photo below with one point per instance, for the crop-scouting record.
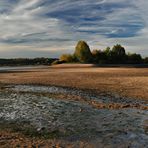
(78, 120)
(14, 68)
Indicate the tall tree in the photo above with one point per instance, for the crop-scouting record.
(118, 54)
(99, 57)
(83, 53)
(134, 58)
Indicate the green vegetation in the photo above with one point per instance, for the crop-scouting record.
(68, 58)
(26, 61)
(116, 55)
(134, 58)
(146, 60)
(83, 53)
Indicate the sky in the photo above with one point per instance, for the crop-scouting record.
(49, 28)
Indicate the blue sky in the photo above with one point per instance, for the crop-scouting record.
(36, 28)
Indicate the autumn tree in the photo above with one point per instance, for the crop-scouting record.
(68, 58)
(82, 52)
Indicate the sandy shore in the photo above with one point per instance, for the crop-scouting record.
(130, 82)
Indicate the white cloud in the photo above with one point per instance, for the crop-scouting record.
(55, 26)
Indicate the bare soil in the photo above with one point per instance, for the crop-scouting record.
(128, 82)
(89, 106)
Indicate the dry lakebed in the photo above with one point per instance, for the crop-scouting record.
(37, 115)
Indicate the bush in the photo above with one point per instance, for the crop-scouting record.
(57, 62)
(68, 58)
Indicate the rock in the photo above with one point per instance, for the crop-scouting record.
(40, 129)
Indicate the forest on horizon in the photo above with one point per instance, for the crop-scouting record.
(83, 54)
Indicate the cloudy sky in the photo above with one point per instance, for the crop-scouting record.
(36, 28)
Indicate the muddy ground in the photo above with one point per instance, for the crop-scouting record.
(37, 110)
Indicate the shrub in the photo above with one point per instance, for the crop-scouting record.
(68, 58)
(57, 62)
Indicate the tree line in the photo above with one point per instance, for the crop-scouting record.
(115, 55)
(83, 54)
(26, 61)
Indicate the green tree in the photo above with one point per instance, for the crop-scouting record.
(99, 57)
(107, 52)
(134, 58)
(146, 60)
(118, 54)
(82, 52)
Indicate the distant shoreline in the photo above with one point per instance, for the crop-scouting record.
(72, 65)
(23, 68)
